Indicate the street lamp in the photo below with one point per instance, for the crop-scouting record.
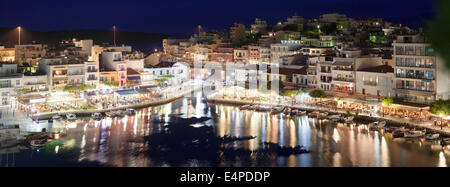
(382, 108)
(442, 117)
(19, 29)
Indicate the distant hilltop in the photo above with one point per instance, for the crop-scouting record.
(9, 36)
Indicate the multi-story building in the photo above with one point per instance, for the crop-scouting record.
(376, 81)
(10, 80)
(259, 26)
(113, 61)
(92, 73)
(56, 69)
(282, 50)
(324, 74)
(7, 54)
(343, 75)
(30, 53)
(420, 75)
(240, 55)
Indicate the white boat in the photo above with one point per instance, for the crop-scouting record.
(276, 110)
(96, 116)
(334, 117)
(377, 125)
(303, 113)
(244, 107)
(110, 114)
(414, 134)
(349, 119)
(120, 113)
(71, 117)
(131, 112)
(56, 117)
(432, 136)
(445, 142)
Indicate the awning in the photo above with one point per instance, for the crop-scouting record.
(143, 91)
(134, 78)
(126, 92)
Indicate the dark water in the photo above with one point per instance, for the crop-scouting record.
(115, 142)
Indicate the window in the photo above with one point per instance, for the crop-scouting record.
(17, 82)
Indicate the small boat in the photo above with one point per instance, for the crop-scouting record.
(245, 107)
(110, 114)
(294, 112)
(313, 114)
(334, 118)
(56, 117)
(131, 112)
(432, 136)
(71, 117)
(323, 115)
(120, 113)
(276, 110)
(303, 113)
(414, 134)
(96, 116)
(349, 119)
(287, 111)
(377, 125)
(399, 132)
(445, 142)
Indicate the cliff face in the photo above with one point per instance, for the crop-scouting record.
(9, 36)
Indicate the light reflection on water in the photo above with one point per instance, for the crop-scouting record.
(110, 141)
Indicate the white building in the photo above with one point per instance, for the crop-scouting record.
(420, 75)
(376, 81)
(10, 80)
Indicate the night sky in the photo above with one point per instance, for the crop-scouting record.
(182, 17)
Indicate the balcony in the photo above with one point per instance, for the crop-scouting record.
(92, 79)
(59, 76)
(92, 70)
(431, 66)
(344, 79)
(413, 77)
(342, 69)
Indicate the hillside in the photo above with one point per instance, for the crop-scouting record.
(9, 36)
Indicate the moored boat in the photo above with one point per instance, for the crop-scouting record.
(96, 116)
(335, 118)
(349, 119)
(414, 134)
(130, 112)
(110, 114)
(432, 136)
(377, 125)
(71, 117)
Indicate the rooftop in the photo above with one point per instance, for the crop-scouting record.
(379, 69)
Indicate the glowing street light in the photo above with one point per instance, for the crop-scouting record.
(19, 29)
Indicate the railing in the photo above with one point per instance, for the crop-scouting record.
(415, 66)
(343, 69)
(414, 89)
(92, 70)
(343, 79)
(413, 77)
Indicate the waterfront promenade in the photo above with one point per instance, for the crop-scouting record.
(363, 115)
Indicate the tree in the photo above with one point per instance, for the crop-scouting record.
(317, 94)
(438, 30)
(440, 107)
(387, 101)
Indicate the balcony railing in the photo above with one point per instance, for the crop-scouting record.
(415, 89)
(415, 66)
(343, 69)
(92, 70)
(413, 77)
(344, 79)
